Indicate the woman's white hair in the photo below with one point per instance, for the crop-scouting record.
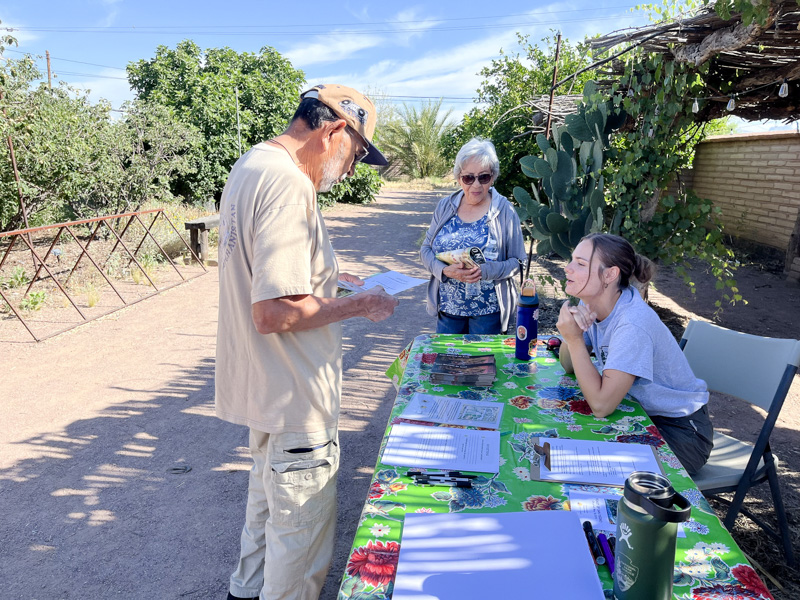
(479, 149)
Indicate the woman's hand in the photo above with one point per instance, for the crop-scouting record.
(573, 321)
(461, 273)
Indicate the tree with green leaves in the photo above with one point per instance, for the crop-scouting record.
(201, 86)
(75, 161)
(505, 115)
(414, 139)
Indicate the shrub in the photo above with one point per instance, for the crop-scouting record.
(361, 188)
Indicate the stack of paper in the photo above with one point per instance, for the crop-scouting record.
(462, 369)
(453, 411)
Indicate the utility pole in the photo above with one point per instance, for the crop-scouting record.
(547, 135)
(49, 76)
(238, 125)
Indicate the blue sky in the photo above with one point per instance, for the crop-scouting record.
(407, 51)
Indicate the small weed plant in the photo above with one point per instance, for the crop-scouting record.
(33, 301)
(17, 279)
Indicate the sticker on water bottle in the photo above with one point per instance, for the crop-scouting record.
(625, 573)
(522, 332)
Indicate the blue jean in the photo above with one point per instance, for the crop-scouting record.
(480, 324)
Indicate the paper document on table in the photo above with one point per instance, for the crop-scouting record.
(600, 463)
(428, 447)
(453, 411)
(600, 507)
(537, 554)
(392, 282)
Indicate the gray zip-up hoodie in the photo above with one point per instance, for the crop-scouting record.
(504, 226)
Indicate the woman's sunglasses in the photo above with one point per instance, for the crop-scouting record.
(483, 179)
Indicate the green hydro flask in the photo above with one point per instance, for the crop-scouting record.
(647, 527)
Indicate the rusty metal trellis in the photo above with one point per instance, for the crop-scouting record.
(85, 251)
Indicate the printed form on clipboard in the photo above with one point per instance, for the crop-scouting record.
(589, 461)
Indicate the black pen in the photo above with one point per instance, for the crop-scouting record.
(597, 554)
(418, 473)
(450, 481)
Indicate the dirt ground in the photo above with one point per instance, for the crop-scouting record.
(116, 479)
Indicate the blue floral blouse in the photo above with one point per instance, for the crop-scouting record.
(456, 297)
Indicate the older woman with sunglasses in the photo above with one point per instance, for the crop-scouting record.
(477, 299)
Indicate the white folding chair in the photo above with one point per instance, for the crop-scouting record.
(760, 371)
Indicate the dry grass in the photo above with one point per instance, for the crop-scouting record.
(429, 184)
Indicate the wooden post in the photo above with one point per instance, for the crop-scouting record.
(49, 76)
(553, 89)
(10, 143)
(547, 135)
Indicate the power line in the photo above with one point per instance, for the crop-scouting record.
(93, 75)
(328, 25)
(227, 32)
(80, 62)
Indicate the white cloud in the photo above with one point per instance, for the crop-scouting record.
(116, 91)
(454, 71)
(109, 19)
(410, 25)
(330, 48)
(23, 37)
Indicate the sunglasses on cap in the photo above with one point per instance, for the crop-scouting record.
(483, 179)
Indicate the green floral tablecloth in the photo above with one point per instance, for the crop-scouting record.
(540, 400)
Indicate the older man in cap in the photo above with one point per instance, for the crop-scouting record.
(279, 342)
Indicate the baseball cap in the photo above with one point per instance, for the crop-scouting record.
(357, 110)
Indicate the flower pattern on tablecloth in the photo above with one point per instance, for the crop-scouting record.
(484, 493)
(558, 392)
(375, 563)
(380, 529)
(520, 402)
(545, 503)
(520, 369)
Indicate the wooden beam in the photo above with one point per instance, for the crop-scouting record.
(789, 72)
(722, 40)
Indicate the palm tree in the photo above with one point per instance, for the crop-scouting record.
(414, 139)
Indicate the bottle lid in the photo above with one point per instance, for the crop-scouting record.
(527, 294)
(654, 493)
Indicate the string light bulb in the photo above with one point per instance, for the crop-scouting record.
(630, 92)
(731, 104)
(695, 106)
(784, 90)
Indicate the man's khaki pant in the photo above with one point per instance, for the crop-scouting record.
(288, 536)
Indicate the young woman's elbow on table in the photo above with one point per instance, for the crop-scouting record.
(606, 398)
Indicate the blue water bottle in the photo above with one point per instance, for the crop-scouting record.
(527, 321)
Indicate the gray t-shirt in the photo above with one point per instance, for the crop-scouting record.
(632, 339)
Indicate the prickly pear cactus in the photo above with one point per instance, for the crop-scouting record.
(569, 171)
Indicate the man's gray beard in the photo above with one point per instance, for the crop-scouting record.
(331, 171)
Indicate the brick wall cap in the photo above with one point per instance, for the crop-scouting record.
(762, 135)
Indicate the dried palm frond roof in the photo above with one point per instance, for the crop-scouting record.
(748, 62)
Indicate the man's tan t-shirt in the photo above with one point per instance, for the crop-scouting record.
(273, 243)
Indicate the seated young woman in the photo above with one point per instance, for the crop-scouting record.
(635, 351)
